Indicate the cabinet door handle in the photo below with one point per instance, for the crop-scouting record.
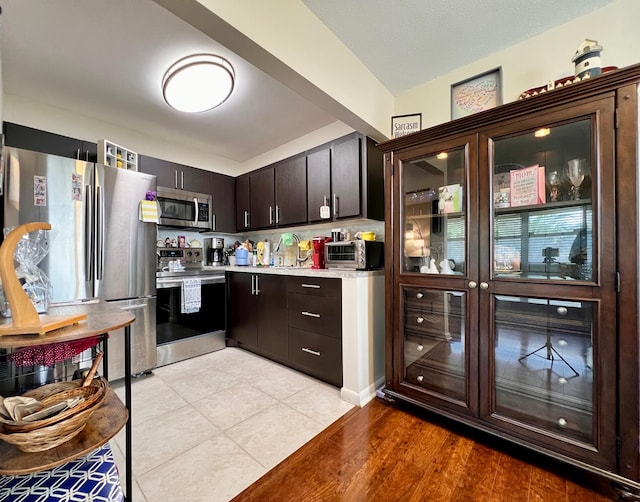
(562, 310)
(181, 180)
(472, 284)
(246, 219)
(420, 378)
(270, 215)
(277, 214)
(253, 284)
(419, 296)
(420, 320)
(420, 348)
(335, 204)
(314, 286)
(324, 200)
(175, 182)
(257, 284)
(309, 351)
(310, 314)
(484, 285)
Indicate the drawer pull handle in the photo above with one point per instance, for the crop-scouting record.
(314, 286)
(562, 310)
(420, 348)
(562, 422)
(419, 296)
(420, 378)
(420, 320)
(310, 314)
(309, 351)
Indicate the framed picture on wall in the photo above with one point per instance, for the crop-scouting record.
(401, 125)
(475, 94)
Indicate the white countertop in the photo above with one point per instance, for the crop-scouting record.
(300, 271)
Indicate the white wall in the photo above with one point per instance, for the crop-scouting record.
(534, 62)
(48, 118)
(529, 64)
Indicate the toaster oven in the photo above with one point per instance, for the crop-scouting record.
(354, 255)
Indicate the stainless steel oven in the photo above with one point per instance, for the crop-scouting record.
(182, 334)
(179, 208)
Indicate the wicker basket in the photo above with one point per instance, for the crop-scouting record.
(48, 433)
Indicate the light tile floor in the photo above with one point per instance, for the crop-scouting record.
(206, 428)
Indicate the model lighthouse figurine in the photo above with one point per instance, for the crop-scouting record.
(587, 59)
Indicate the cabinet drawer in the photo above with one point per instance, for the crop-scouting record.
(445, 326)
(440, 371)
(423, 298)
(417, 346)
(315, 286)
(318, 315)
(317, 355)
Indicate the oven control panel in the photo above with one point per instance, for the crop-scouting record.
(189, 257)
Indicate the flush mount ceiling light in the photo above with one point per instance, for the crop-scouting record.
(198, 83)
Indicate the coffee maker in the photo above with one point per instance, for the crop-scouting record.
(214, 248)
(318, 251)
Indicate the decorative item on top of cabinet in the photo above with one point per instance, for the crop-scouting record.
(535, 337)
(114, 155)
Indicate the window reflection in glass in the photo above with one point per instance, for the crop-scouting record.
(542, 208)
(433, 213)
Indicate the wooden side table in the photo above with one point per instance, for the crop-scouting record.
(107, 420)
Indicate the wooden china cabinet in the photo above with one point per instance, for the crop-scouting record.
(512, 285)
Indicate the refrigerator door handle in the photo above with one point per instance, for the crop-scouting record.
(88, 233)
(99, 233)
(136, 307)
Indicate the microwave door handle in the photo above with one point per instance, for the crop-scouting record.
(195, 207)
(89, 235)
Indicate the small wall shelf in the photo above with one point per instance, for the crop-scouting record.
(111, 154)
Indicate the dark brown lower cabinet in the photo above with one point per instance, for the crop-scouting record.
(296, 321)
(258, 313)
(315, 327)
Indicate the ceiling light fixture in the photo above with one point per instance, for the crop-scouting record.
(542, 132)
(198, 83)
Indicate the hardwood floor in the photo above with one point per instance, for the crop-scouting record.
(382, 452)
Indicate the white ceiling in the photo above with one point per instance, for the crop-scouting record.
(106, 59)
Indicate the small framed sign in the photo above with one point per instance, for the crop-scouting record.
(476, 94)
(401, 125)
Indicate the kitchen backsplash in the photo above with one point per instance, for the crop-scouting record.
(304, 232)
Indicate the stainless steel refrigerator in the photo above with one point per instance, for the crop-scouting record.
(98, 247)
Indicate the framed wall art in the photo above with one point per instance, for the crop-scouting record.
(475, 94)
(401, 125)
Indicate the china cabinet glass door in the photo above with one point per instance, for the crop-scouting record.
(549, 270)
(434, 230)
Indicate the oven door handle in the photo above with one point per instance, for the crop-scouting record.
(176, 282)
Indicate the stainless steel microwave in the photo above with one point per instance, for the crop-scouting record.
(179, 208)
(354, 255)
